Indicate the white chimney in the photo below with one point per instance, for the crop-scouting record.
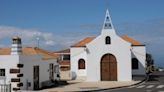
(16, 48)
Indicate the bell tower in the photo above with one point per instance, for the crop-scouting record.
(108, 25)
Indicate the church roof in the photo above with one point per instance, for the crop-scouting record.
(63, 51)
(131, 40)
(31, 51)
(85, 41)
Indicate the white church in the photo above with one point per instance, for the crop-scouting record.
(107, 57)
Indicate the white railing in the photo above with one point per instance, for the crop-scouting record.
(5, 87)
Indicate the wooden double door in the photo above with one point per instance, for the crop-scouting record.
(108, 68)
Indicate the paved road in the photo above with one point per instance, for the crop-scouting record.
(154, 84)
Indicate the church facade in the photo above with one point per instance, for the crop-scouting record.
(107, 57)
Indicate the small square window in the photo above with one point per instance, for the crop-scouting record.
(2, 72)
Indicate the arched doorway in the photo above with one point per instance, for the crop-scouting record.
(108, 68)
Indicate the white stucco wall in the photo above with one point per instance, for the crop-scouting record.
(93, 53)
(118, 47)
(31, 61)
(139, 52)
(78, 53)
(7, 62)
(10, 62)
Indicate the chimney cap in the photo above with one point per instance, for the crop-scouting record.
(16, 37)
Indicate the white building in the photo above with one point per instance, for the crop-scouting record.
(108, 57)
(64, 59)
(27, 68)
(64, 63)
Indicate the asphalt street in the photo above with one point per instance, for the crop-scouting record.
(155, 83)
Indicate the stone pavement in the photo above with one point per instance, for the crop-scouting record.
(77, 85)
(80, 85)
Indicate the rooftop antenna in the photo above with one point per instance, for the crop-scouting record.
(38, 39)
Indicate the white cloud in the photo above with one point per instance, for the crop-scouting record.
(6, 31)
(47, 40)
(50, 43)
(28, 35)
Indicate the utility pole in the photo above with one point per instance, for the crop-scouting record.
(38, 39)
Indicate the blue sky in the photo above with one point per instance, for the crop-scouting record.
(60, 23)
